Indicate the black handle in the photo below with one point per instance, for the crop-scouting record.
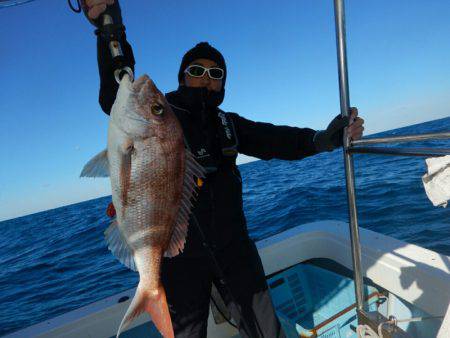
(111, 29)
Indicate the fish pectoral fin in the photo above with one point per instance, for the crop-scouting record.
(119, 247)
(127, 147)
(178, 239)
(98, 166)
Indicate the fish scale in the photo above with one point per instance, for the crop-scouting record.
(152, 186)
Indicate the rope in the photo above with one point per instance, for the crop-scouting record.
(364, 331)
(72, 7)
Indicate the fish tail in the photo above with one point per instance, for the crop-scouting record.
(153, 302)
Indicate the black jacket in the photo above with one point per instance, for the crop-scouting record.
(218, 208)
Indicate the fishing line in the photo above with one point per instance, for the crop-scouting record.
(222, 314)
(11, 3)
(222, 279)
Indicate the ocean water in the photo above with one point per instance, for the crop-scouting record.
(56, 261)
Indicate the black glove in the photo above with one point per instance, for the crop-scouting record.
(332, 137)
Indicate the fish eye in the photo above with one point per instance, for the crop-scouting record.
(157, 109)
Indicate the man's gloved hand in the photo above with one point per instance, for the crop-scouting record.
(332, 137)
(95, 8)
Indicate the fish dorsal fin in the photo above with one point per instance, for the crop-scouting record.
(98, 166)
(192, 168)
(119, 246)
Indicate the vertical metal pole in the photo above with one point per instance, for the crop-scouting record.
(339, 15)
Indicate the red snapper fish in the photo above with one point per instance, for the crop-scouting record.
(152, 181)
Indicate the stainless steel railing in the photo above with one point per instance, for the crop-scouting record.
(428, 152)
(360, 146)
(398, 139)
(339, 14)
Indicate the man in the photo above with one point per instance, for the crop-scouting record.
(218, 248)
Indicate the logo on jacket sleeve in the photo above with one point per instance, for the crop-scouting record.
(225, 125)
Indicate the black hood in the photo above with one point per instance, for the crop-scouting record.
(202, 50)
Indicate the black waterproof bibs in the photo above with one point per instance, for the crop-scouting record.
(195, 141)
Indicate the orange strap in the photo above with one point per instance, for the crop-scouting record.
(110, 210)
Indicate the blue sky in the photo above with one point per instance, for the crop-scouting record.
(282, 66)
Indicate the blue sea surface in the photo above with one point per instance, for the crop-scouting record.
(56, 261)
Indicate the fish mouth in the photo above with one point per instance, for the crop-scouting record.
(143, 83)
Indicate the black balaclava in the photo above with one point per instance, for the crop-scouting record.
(204, 50)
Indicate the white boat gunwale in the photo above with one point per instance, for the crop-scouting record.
(386, 261)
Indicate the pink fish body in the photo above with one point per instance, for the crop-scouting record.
(152, 181)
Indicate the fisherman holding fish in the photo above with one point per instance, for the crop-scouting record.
(195, 149)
